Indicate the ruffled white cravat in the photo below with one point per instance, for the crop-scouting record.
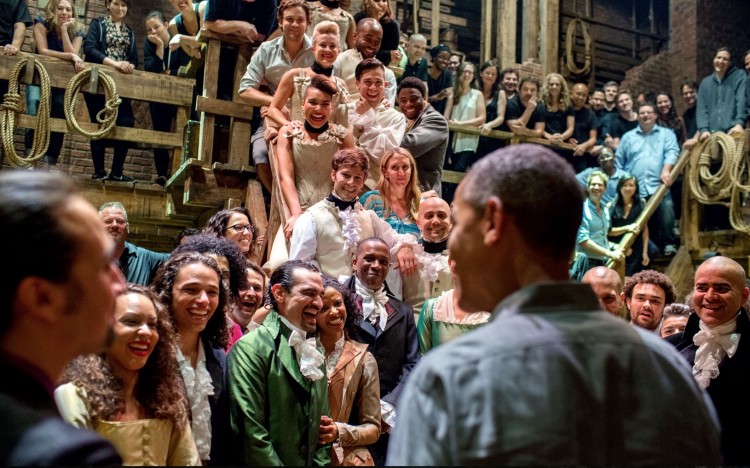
(199, 387)
(373, 303)
(308, 355)
(350, 226)
(431, 265)
(713, 345)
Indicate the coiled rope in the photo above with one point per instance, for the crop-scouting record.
(727, 185)
(106, 117)
(570, 61)
(11, 107)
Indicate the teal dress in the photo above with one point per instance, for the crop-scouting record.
(373, 201)
(438, 323)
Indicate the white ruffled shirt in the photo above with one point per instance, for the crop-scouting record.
(373, 303)
(309, 357)
(199, 386)
(713, 344)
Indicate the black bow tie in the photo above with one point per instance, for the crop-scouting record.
(341, 204)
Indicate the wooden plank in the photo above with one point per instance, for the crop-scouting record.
(257, 208)
(180, 124)
(140, 85)
(120, 133)
(222, 107)
(443, 18)
(239, 143)
(208, 188)
(485, 45)
(549, 43)
(530, 42)
(435, 25)
(506, 37)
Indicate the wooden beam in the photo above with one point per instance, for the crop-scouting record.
(530, 41)
(435, 23)
(549, 43)
(208, 188)
(221, 107)
(445, 18)
(485, 45)
(257, 208)
(506, 37)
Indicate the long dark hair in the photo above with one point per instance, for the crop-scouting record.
(619, 208)
(353, 313)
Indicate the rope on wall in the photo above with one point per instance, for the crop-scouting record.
(570, 40)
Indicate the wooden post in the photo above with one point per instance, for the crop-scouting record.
(435, 24)
(506, 37)
(549, 44)
(530, 41)
(485, 44)
(415, 16)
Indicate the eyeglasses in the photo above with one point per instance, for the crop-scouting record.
(241, 227)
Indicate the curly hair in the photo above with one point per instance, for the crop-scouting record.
(564, 99)
(215, 333)
(412, 193)
(159, 389)
(353, 312)
(208, 244)
(51, 23)
(217, 224)
(651, 277)
(322, 83)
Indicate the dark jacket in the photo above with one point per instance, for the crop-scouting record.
(95, 45)
(34, 434)
(721, 104)
(216, 364)
(152, 62)
(427, 141)
(396, 348)
(729, 391)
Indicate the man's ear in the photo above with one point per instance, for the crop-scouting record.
(279, 293)
(494, 220)
(333, 175)
(40, 298)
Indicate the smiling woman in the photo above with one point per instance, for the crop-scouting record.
(131, 394)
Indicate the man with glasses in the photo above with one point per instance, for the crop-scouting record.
(439, 78)
(137, 264)
(648, 152)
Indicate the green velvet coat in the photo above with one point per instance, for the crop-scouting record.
(275, 411)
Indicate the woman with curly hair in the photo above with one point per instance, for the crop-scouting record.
(190, 286)
(560, 122)
(396, 196)
(352, 377)
(132, 394)
(236, 225)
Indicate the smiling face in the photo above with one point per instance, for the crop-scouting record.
(434, 219)
(554, 85)
(116, 224)
(646, 117)
(722, 61)
(302, 302)
(625, 103)
(195, 297)
(628, 188)
(719, 291)
(454, 61)
(441, 60)
(294, 23)
(398, 170)
(135, 333)
(689, 96)
(597, 100)
(610, 94)
(332, 316)
(663, 104)
(489, 76)
(240, 231)
(578, 96)
(596, 188)
(348, 181)
(64, 11)
(371, 85)
(467, 73)
(528, 90)
(250, 299)
(510, 83)
(118, 9)
(155, 27)
(646, 306)
(316, 107)
(371, 264)
(367, 39)
(411, 102)
(416, 48)
(326, 49)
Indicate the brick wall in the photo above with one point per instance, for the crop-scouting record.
(652, 75)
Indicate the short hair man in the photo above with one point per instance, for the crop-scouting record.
(649, 152)
(388, 329)
(275, 403)
(689, 92)
(513, 391)
(139, 265)
(439, 78)
(367, 38)
(377, 126)
(434, 278)
(426, 135)
(322, 238)
(416, 63)
(611, 90)
(454, 62)
(607, 286)
(525, 114)
(715, 343)
(618, 124)
(586, 126)
(722, 98)
(58, 301)
(646, 293)
(509, 81)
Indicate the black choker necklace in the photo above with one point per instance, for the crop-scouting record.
(318, 68)
(316, 131)
(330, 4)
(435, 247)
(341, 204)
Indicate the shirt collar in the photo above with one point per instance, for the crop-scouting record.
(292, 327)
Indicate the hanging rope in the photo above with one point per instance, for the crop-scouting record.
(11, 107)
(728, 184)
(106, 117)
(570, 61)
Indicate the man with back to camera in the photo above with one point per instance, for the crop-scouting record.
(58, 302)
(550, 379)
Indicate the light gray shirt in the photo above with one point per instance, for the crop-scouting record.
(269, 63)
(553, 380)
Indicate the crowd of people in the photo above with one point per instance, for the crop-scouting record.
(400, 320)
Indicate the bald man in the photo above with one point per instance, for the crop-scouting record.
(584, 133)
(607, 286)
(434, 221)
(719, 332)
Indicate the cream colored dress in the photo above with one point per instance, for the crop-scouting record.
(144, 442)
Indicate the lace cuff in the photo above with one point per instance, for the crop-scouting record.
(387, 415)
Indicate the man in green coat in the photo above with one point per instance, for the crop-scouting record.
(277, 386)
